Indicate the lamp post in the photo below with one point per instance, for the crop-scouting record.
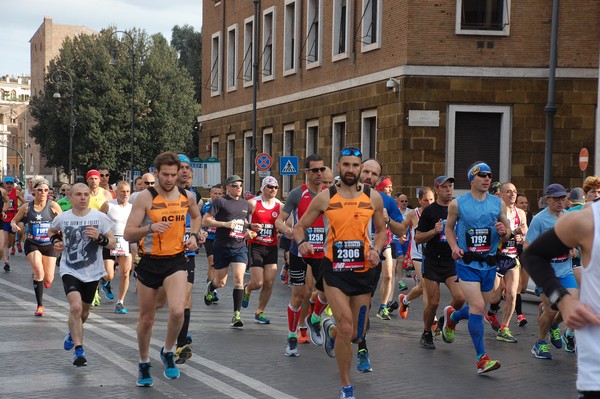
(60, 77)
(113, 61)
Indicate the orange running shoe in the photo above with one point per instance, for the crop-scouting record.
(39, 312)
(303, 336)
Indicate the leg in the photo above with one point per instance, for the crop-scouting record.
(432, 289)
(49, 265)
(270, 271)
(147, 310)
(175, 287)
(511, 284)
(387, 267)
(35, 259)
(124, 272)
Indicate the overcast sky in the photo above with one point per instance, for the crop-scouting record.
(21, 19)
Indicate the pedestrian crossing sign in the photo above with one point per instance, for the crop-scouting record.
(288, 165)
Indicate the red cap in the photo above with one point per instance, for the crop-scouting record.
(91, 173)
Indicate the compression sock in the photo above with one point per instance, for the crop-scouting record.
(494, 307)
(38, 288)
(476, 331)
(319, 306)
(183, 333)
(238, 295)
(293, 318)
(518, 305)
(460, 314)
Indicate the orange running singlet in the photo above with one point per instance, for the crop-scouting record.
(171, 241)
(346, 239)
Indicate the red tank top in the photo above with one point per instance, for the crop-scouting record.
(315, 234)
(268, 234)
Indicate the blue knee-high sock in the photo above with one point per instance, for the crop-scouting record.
(476, 331)
(460, 314)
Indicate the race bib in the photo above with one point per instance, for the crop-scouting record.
(39, 232)
(122, 247)
(560, 259)
(348, 255)
(238, 230)
(266, 234)
(479, 240)
(316, 237)
(443, 232)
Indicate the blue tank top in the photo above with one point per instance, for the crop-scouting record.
(38, 224)
(210, 230)
(188, 224)
(475, 230)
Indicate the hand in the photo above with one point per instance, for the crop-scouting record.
(59, 246)
(92, 233)
(500, 228)
(191, 244)
(15, 228)
(576, 314)
(160, 227)
(306, 248)
(439, 226)
(373, 257)
(457, 253)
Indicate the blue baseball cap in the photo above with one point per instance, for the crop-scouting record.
(9, 179)
(183, 158)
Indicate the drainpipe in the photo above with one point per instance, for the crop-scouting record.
(550, 108)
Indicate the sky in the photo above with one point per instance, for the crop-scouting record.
(22, 19)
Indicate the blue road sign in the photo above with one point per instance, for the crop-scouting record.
(288, 165)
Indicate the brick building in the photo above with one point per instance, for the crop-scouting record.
(425, 87)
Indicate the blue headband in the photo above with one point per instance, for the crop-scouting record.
(183, 158)
(480, 167)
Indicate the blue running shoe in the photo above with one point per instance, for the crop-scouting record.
(555, 337)
(168, 359)
(260, 318)
(120, 309)
(144, 377)
(347, 392)
(107, 289)
(364, 364)
(245, 298)
(328, 342)
(79, 358)
(540, 350)
(68, 343)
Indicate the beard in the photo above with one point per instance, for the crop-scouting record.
(349, 180)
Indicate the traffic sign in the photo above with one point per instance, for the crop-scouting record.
(584, 157)
(288, 165)
(264, 173)
(263, 161)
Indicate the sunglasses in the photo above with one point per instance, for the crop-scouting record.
(317, 170)
(236, 185)
(483, 175)
(42, 190)
(270, 187)
(104, 175)
(149, 183)
(350, 151)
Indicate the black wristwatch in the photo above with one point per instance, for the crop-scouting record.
(556, 296)
(196, 235)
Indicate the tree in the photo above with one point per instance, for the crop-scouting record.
(189, 45)
(164, 103)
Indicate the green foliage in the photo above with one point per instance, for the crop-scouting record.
(164, 102)
(189, 45)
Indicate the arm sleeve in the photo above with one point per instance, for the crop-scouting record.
(536, 260)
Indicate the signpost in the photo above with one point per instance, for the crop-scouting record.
(263, 161)
(584, 157)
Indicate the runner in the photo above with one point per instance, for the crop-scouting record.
(216, 191)
(14, 199)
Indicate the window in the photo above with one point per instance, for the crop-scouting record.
(341, 29)
(215, 69)
(248, 161)
(368, 134)
(339, 137)
(478, 133)
(230, 154)
(483, 17)
(313, 27)
(290, 34)
(214, 147)
(268, 43)
(371, 25)
(288, 149)
(312, 137)
(248, 52)
(267, 147)
(232, 57)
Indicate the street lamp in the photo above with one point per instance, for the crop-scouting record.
(113, 61)
(60, 77)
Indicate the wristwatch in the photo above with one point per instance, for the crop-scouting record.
(556, 296)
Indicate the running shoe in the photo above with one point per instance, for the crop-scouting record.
(12, 251)
(364, 364)
(260, 318)
(314, 331)
(79, 358)
(96, 301)
(402, 308)
(68, 343)
(303, 335)
(107, 289)
(144, 377)
(6, 267)
(347, 392)
(236, 320)
(569, 342)
(436, 327)
(555, 337)
(449, 326)
(183, 353)
(485, 365)
(47, 285)
(384, 313)
(245, 298)
(540, 350)
(328, 311)
(426, 340)
(168, 359)
(120, 309)
(215, 297)
(19, 248)
(284, 275)
(39, 311)
(402, 286)
(522, 320)
(328, 341)
(493, 320)
(208, 296)
(505, 335)
(392, 306)
(291, 350)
